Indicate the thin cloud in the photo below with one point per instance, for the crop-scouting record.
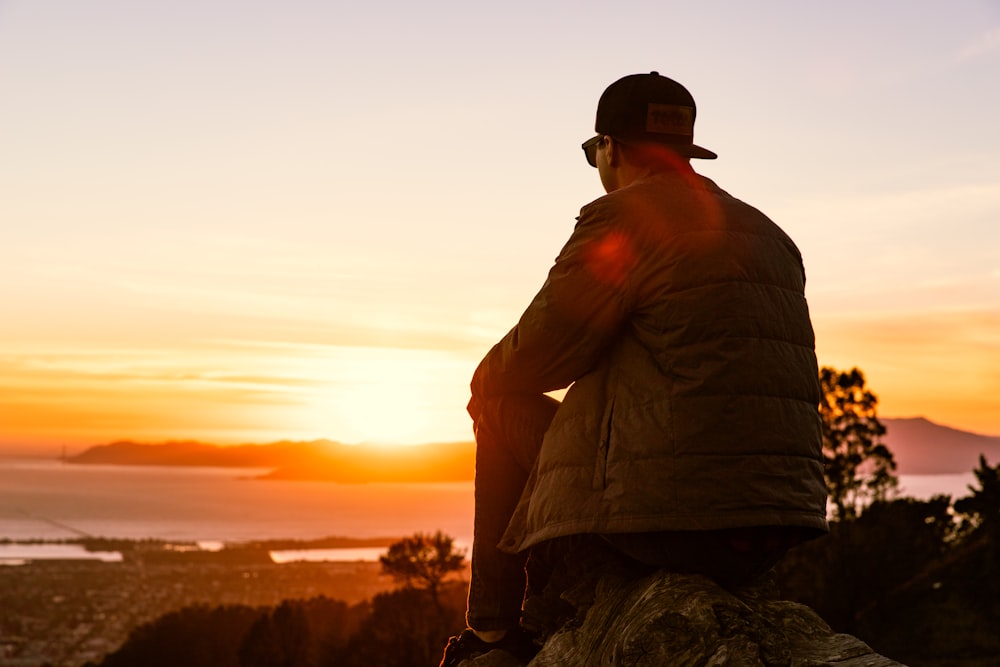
(983, 45)
(899, 209)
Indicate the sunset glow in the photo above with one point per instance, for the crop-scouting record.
(240, 223)
(235, 394)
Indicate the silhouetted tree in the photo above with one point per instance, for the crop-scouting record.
(862, 564)
(197, 636)
(982, 508)
(278, 639)
(301, 633)
(400, 633)
(424, 560)
(859, 468)
(981, 514)
(296, 633)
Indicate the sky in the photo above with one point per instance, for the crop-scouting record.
(253, 221)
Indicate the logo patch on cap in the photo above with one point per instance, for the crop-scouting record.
(669, 119)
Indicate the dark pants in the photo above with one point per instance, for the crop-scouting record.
(508, 438)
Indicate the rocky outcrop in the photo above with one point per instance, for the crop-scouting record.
(675, 619)
(665, 619)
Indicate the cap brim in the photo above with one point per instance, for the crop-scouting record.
(693, 151)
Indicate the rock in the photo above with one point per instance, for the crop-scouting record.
(677, 619)
(494, 659)
(663, 618)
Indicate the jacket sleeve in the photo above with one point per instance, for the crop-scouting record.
(570, 322)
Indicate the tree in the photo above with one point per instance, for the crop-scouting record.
(400, 632)
(895, 573)
(859, 469)
(196, 636)
(279, 638)
(423, 559)
(302, 633)
(982, 508)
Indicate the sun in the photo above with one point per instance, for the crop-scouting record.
(386, 396)
(383, 411)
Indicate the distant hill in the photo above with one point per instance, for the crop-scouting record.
(922, 447)
(190, 453)
(319, 460)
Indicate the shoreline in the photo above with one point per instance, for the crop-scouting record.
(153, 550)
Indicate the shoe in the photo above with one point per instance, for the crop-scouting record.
(517, 642)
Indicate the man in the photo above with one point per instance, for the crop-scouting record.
(689, 437)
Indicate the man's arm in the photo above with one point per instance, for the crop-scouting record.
(570, 322)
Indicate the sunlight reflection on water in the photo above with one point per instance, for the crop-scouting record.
(48, 499)
(16, 554)
(52, 500)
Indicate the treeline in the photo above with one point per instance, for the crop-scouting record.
(919, 581)
(402, 628)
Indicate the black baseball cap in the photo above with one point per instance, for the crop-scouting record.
(650, 107)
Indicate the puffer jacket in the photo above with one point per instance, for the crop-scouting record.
(678, 315)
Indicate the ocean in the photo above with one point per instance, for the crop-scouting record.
(51, 500)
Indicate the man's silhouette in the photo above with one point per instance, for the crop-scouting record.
(689, 437)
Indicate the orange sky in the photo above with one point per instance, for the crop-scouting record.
(247, 223)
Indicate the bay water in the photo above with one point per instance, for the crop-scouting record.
(46, 499)
(52, 500)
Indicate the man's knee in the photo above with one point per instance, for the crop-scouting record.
(515, 423)
(533, 409)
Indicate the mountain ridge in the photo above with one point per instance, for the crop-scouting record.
(924, 447)
(315, 460)
(919, 445)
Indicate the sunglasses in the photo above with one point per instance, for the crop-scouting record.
(590, 149)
